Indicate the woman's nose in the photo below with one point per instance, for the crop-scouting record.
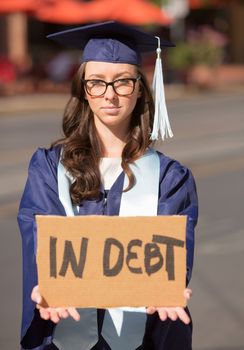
(110, 94)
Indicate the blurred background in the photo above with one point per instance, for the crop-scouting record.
(204, 85)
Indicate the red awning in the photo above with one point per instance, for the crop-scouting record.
(136, 12)
(129, 11)
(8, 6)
(62, 11)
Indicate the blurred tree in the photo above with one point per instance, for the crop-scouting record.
(158, 2)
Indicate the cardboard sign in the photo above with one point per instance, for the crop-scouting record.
(111, 261)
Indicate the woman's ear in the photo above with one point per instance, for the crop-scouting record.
(85, 94)
(139, 92)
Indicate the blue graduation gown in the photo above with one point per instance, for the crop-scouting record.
(177, 195)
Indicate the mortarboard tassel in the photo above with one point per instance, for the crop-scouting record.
(161, 125)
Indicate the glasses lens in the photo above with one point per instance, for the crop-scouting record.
(124, 86)
(95, 87)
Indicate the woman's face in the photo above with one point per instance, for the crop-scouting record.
(111, 109)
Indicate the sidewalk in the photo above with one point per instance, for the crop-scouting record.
(32, 102)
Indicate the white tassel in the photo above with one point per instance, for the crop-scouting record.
(161, 125)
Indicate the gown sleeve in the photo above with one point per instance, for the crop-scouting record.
(178, 196)
(40, 197)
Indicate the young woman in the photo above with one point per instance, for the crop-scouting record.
(107, 125)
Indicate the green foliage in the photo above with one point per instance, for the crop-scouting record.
(205, 46)
(180, 57)
(185, 55)
(158, 2)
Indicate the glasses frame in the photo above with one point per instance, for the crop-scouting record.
(134, 80)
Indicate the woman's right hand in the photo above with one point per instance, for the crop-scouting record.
(53, 314)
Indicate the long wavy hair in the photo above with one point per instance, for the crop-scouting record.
(82, 148)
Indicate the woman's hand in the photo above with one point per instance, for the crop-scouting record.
(173, 313)
(53, 314)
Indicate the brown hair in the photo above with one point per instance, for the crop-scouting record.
(82, 148)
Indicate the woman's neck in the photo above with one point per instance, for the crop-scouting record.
(111, 144)
(113, 140)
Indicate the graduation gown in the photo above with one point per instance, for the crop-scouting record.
(177, 195)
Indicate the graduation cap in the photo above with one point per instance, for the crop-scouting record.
(115, 42)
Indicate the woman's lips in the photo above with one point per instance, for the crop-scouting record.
(110, 109)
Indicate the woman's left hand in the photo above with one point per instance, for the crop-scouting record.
(173, 313)
(50, 313)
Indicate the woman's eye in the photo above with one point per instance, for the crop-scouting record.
(124, 82)
(93, 83)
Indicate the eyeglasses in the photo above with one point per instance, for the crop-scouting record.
(122, 87)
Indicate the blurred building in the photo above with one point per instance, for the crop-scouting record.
(23, 32)
(227, 17)
(23, 28)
